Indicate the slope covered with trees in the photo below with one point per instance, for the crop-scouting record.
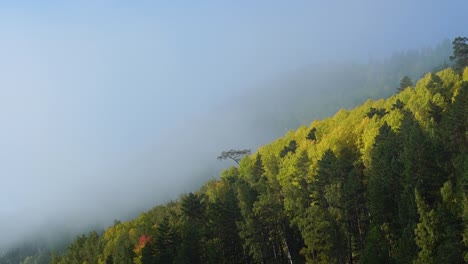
(385, 182)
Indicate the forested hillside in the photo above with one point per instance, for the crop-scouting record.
(297, 98)
(385, 182)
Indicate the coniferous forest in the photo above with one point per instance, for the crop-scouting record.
(385, 182)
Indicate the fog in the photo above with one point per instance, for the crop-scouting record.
(109, 108)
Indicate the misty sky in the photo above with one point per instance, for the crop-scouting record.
(109, 107)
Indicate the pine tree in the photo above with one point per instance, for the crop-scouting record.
(398, 105)
(460, 53)
(405, 82)
(291, 148)
(384, 189)
(192, 207)
(192, 230)
(311, 135)
(164, 243)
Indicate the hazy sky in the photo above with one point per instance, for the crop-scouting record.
(107, 107)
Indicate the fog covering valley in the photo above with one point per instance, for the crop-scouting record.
(105, 117)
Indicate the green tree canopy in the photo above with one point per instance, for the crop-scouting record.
(460, 53)
(405, 82)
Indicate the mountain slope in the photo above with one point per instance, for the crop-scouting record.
(385, 182)
(289, 101)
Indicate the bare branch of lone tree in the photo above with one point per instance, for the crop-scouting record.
(235, 155)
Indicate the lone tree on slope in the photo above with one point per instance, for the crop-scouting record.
(235, 155)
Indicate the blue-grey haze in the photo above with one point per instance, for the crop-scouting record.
(110, 107)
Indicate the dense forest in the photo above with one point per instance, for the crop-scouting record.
(386, 182)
